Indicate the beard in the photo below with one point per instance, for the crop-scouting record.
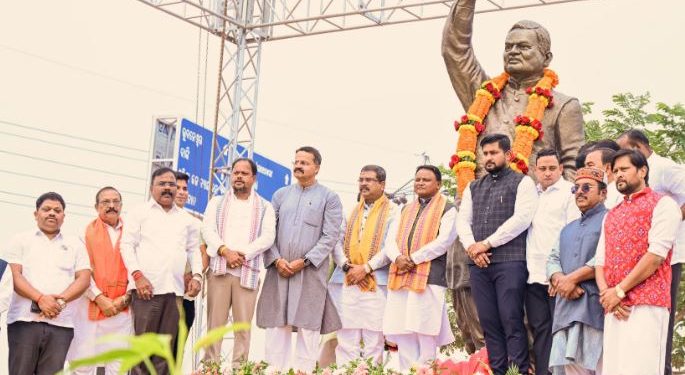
(494, 168)
(627, 188)
(237, 190)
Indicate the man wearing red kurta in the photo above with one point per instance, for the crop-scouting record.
(633, 271)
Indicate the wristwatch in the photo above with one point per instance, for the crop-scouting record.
(62, 303)
(620, 292)
(345, 267)
(307, 262)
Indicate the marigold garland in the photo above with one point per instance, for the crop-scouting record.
(528, 126)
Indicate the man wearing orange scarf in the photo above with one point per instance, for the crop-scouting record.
(103, 309)
(359, 283)
(415, 312)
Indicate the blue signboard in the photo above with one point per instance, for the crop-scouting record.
(194, 158)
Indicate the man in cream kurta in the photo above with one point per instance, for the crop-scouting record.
(238, 228)
(416, 312)
(359, 283)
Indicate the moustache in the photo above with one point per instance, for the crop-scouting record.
(111, 210)
(298, 170)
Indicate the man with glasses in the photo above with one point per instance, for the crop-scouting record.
(578, 316)
(359, 283)
(157, 241)
(633, 271)
(294, 294)
(103, 309)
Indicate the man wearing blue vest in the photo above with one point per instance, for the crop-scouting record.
(495, 213)
(578, 315)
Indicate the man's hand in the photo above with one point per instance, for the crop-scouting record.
(186, 279)
(106, 305)
(48, 306)
(356, 274)
(234, 259)
(144, 288)
(404, 264)
(622, 312)
(296, 265)
(122, 302)
(477, 248)
(283, 268)
(194, 287)
(609, 300)
(565, 287)
(576, 293)
(482, 260)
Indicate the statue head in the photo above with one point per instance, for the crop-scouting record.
(527, 50)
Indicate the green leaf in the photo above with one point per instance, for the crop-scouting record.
(218, 334)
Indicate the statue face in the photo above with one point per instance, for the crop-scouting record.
(522, 55)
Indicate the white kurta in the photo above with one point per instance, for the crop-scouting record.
(667, 177)
(628, 350)
(408, 312)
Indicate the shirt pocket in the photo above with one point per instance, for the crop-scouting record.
(313, 216)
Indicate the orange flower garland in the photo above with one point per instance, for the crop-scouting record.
(528, 126)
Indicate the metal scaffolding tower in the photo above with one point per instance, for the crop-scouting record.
(243, 25)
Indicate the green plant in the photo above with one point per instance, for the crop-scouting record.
(142, 347)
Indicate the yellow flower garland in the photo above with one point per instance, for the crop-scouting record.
(528, 126)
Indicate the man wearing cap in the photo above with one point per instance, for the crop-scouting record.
(578, 316)
(633, 271)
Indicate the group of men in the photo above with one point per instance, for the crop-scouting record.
(594, 278)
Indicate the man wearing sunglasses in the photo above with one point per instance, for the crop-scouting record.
(633, 271)
(578, 315)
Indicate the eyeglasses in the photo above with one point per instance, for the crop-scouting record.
(585, 188)
(108, 202)
(369, 179)
(166, 184)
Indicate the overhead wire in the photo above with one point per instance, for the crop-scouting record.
(71, 165)
(23, 126)
(63, 181)
(99, 152)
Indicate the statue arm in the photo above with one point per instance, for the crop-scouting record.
(463, 68)
(571, 133)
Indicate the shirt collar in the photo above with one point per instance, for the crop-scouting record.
(593, 211)
(504, 172)
(153, 203)
(39, 233)
(554, 186)
(637, 195)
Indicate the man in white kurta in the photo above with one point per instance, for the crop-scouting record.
(417, 320)
(238, 228)
(362, 262)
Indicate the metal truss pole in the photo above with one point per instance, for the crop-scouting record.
(236, 109)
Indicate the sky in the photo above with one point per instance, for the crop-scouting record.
(102, 70)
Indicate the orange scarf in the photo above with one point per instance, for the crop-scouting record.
(417, 228)
(109, 271)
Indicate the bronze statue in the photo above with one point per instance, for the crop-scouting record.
(526, 53)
